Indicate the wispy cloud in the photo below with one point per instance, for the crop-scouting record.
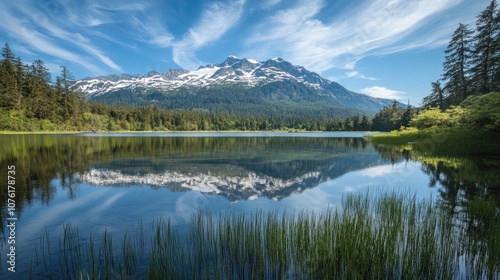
(86, 16)
(73, 32)
(21, 32)
(356, 74)
(216, 20)
(383, 92)
(33, 28)
(92, 14)
(317, 34)
(82, 42)
(290, 32)
(377, 27)
(154, 32)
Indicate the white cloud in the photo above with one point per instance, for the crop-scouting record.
(356, 74)
(215, 21)
(352, 74)
(350, 65)
(20, 31)
(155, 33)
(92, 14)
(293, 35)
(83, 43)
(383, 92)
(28, 29)
(377, 27)
(305, 32)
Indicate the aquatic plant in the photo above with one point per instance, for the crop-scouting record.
(392, 236)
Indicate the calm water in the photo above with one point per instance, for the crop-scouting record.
(113, 181)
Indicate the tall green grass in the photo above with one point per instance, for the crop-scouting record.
(391, 236)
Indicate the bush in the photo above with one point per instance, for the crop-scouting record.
(483, 111)
(434, 118)
(47, 125)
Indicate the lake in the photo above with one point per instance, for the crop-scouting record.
(115, 182)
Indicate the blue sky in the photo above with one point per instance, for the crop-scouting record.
(384, 48)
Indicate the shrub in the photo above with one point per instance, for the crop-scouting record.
(433, 117)
(483, 111)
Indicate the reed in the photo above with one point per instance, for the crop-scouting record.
(393, 236)
(482, 242)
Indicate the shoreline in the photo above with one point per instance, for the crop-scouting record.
(180, 131)
(463, 142)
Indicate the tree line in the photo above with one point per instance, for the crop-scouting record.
(31, 101)
(29, 97)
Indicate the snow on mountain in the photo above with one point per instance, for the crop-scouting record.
(236, 86)
(248, 72)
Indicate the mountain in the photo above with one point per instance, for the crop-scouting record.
(237, 85)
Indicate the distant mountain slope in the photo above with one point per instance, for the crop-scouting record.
(238, 86)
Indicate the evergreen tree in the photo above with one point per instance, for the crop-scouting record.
(356, 121)
(40, 99)
(486, 49)
(20, 82)
(11, 83)
(436, 98)
(496, 66)
(365, 123)
(348, 124)
(389, 118)
(69, 100)
(457, 64)
(408, 114)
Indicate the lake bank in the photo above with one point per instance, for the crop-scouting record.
(444, 141)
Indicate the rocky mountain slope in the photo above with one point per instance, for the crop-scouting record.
(237, 85)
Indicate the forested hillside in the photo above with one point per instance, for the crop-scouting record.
(32, 101)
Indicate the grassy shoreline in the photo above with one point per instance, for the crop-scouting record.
(443, 141)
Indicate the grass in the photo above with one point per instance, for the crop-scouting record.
(391, 236)
(444, 141)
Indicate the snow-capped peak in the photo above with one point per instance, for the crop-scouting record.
(254, 61)
(247, 72)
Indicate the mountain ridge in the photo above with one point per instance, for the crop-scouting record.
(235, 81)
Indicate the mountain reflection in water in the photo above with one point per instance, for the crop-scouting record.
(238, 168)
